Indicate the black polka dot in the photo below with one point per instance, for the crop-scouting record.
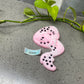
(50, 61)
(47, 28)
(46, 63)
(50, 34)
(40, 42)
(50, 54)
(46, 60)
(44, 42)
(44, 30)
(51, 30)
(41, 30)
(49, 57)
(51, 65)
(44, 56)
(42, 37)
(51, 46)
(43, 59)
(47, 41)
(54, 47)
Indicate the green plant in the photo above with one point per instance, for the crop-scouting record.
(52, 11)
(83, 12)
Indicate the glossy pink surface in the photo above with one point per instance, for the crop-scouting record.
(47, 37)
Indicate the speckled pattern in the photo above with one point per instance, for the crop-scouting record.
(48, 37)
(18, 68)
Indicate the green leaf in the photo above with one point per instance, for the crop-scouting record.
(28, 11)
(51, 2)
(53, 11)
(46, 1)
(41, 4)
(73, 10)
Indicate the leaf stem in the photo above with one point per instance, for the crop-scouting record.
(12, 21)
(74, 24)
(70, 22)
(24, 21)
(37, 11)
(37, 19)
(48, 13)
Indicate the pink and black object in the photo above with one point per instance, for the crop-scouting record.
(48, 37)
